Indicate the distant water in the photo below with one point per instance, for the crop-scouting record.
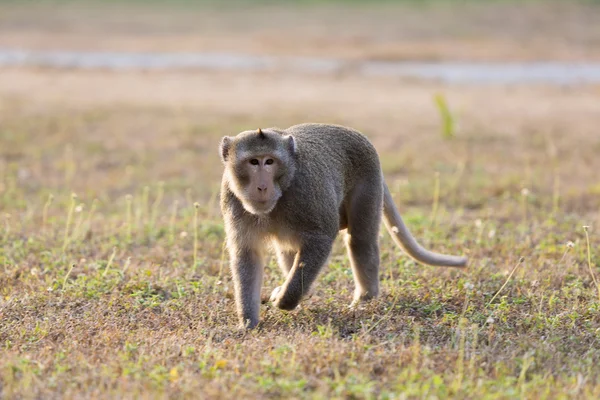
(559, 73)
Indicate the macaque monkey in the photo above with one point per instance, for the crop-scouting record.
(295, 189)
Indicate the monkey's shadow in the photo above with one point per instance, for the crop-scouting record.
(381, 317)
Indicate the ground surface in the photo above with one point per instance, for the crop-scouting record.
(123, 290)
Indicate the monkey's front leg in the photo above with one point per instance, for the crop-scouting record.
(313, 254)
(247, 268)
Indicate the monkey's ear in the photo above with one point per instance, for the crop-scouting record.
(291, 142)
(225, 146)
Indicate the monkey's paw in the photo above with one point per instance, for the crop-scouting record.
(275, 294)
(278, 300)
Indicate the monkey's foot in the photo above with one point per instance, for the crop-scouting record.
(361, 298)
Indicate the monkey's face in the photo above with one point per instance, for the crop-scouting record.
(260, 166)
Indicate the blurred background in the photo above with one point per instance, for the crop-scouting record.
(166, 79)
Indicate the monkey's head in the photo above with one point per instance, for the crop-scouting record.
(259, 166)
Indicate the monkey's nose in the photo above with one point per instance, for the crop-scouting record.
(262, 188)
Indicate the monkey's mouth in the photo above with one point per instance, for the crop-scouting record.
(261, 207)
(265, 206)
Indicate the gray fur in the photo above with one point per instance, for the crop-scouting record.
(329, 179)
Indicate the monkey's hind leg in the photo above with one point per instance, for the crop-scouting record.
(364, 258)
(362, 242)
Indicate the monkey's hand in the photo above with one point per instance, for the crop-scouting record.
(275, 294)
(277, 297)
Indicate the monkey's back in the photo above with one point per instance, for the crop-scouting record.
(336, 150)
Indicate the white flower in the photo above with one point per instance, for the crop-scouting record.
(490, 320)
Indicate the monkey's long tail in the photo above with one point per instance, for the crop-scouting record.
(403, 238)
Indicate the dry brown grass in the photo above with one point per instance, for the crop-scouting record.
(560, 123)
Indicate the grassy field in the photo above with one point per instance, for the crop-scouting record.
(114, 282)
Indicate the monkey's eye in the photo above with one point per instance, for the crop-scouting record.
(269, 161)
(254, 161)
